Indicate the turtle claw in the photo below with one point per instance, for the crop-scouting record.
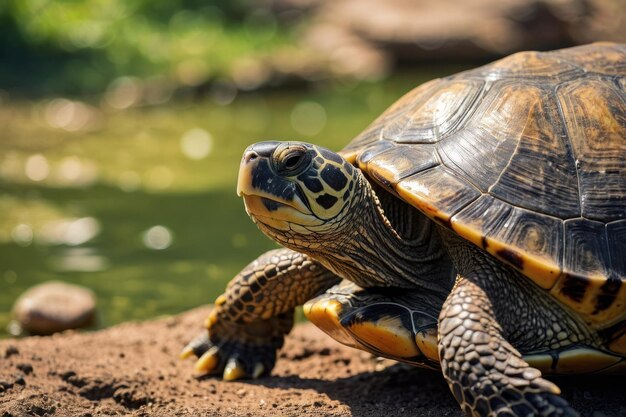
(234, 370)
(237, 350)
(207, 363)
(229, 357)
(187, 352)
(258, 370)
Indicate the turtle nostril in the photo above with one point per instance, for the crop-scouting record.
(250, 156)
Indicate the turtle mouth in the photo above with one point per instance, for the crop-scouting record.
(272, 204)
(275, 213)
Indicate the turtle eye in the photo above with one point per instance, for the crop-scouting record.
(293, 161)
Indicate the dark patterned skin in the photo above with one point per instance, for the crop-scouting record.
(495, 197)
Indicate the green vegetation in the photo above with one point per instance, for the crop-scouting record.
(79, 47)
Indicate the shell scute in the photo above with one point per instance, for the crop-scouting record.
(372, 151)
(606, 58)
(584, 360)
(465, 154)
(589, 284)
(595, 116)
(529, 64)
(529, 241)
(616, 236)
(374, 131)
(437, 192)
(434, 115)
(402, 161)
(587, 249)
(541, 172)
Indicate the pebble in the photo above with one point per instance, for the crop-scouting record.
(25, 367)
(10, 351)
(54, 307)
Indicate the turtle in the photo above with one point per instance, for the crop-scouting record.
(477, 227)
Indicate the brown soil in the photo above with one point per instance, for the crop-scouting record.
(132, 369)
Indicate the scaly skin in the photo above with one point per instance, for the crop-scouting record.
(250, 320)
(486, 374)
(489, 310)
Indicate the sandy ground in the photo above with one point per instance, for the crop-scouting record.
(132, 369)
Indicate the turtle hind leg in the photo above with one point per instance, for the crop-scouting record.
(486, 374)
(399, 324)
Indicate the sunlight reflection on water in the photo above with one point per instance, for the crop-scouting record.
(196, 143)
(157, 237)
(79, 260)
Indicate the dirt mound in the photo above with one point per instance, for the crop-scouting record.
(132, 369)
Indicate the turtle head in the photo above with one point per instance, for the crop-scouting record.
(295, 186)
(313, 201)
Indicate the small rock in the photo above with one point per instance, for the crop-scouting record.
(5, 386)
(10, 351)
(53, 307)
(25, 367)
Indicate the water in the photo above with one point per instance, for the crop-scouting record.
(139, 204)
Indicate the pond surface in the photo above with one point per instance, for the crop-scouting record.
(139, 204)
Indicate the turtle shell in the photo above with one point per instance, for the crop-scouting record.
(526, 158)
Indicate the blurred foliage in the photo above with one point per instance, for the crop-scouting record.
(79, 46)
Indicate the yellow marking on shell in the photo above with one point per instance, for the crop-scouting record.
(619, 345)
(387, 335)
(540, 361)
(578, 361)
(582, 361)
(427, 343)
(543, 271)
(388, 168)
(324, 314)
(422, 198)
(587, 305)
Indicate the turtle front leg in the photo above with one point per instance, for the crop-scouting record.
(250, 320)
(486, 374)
